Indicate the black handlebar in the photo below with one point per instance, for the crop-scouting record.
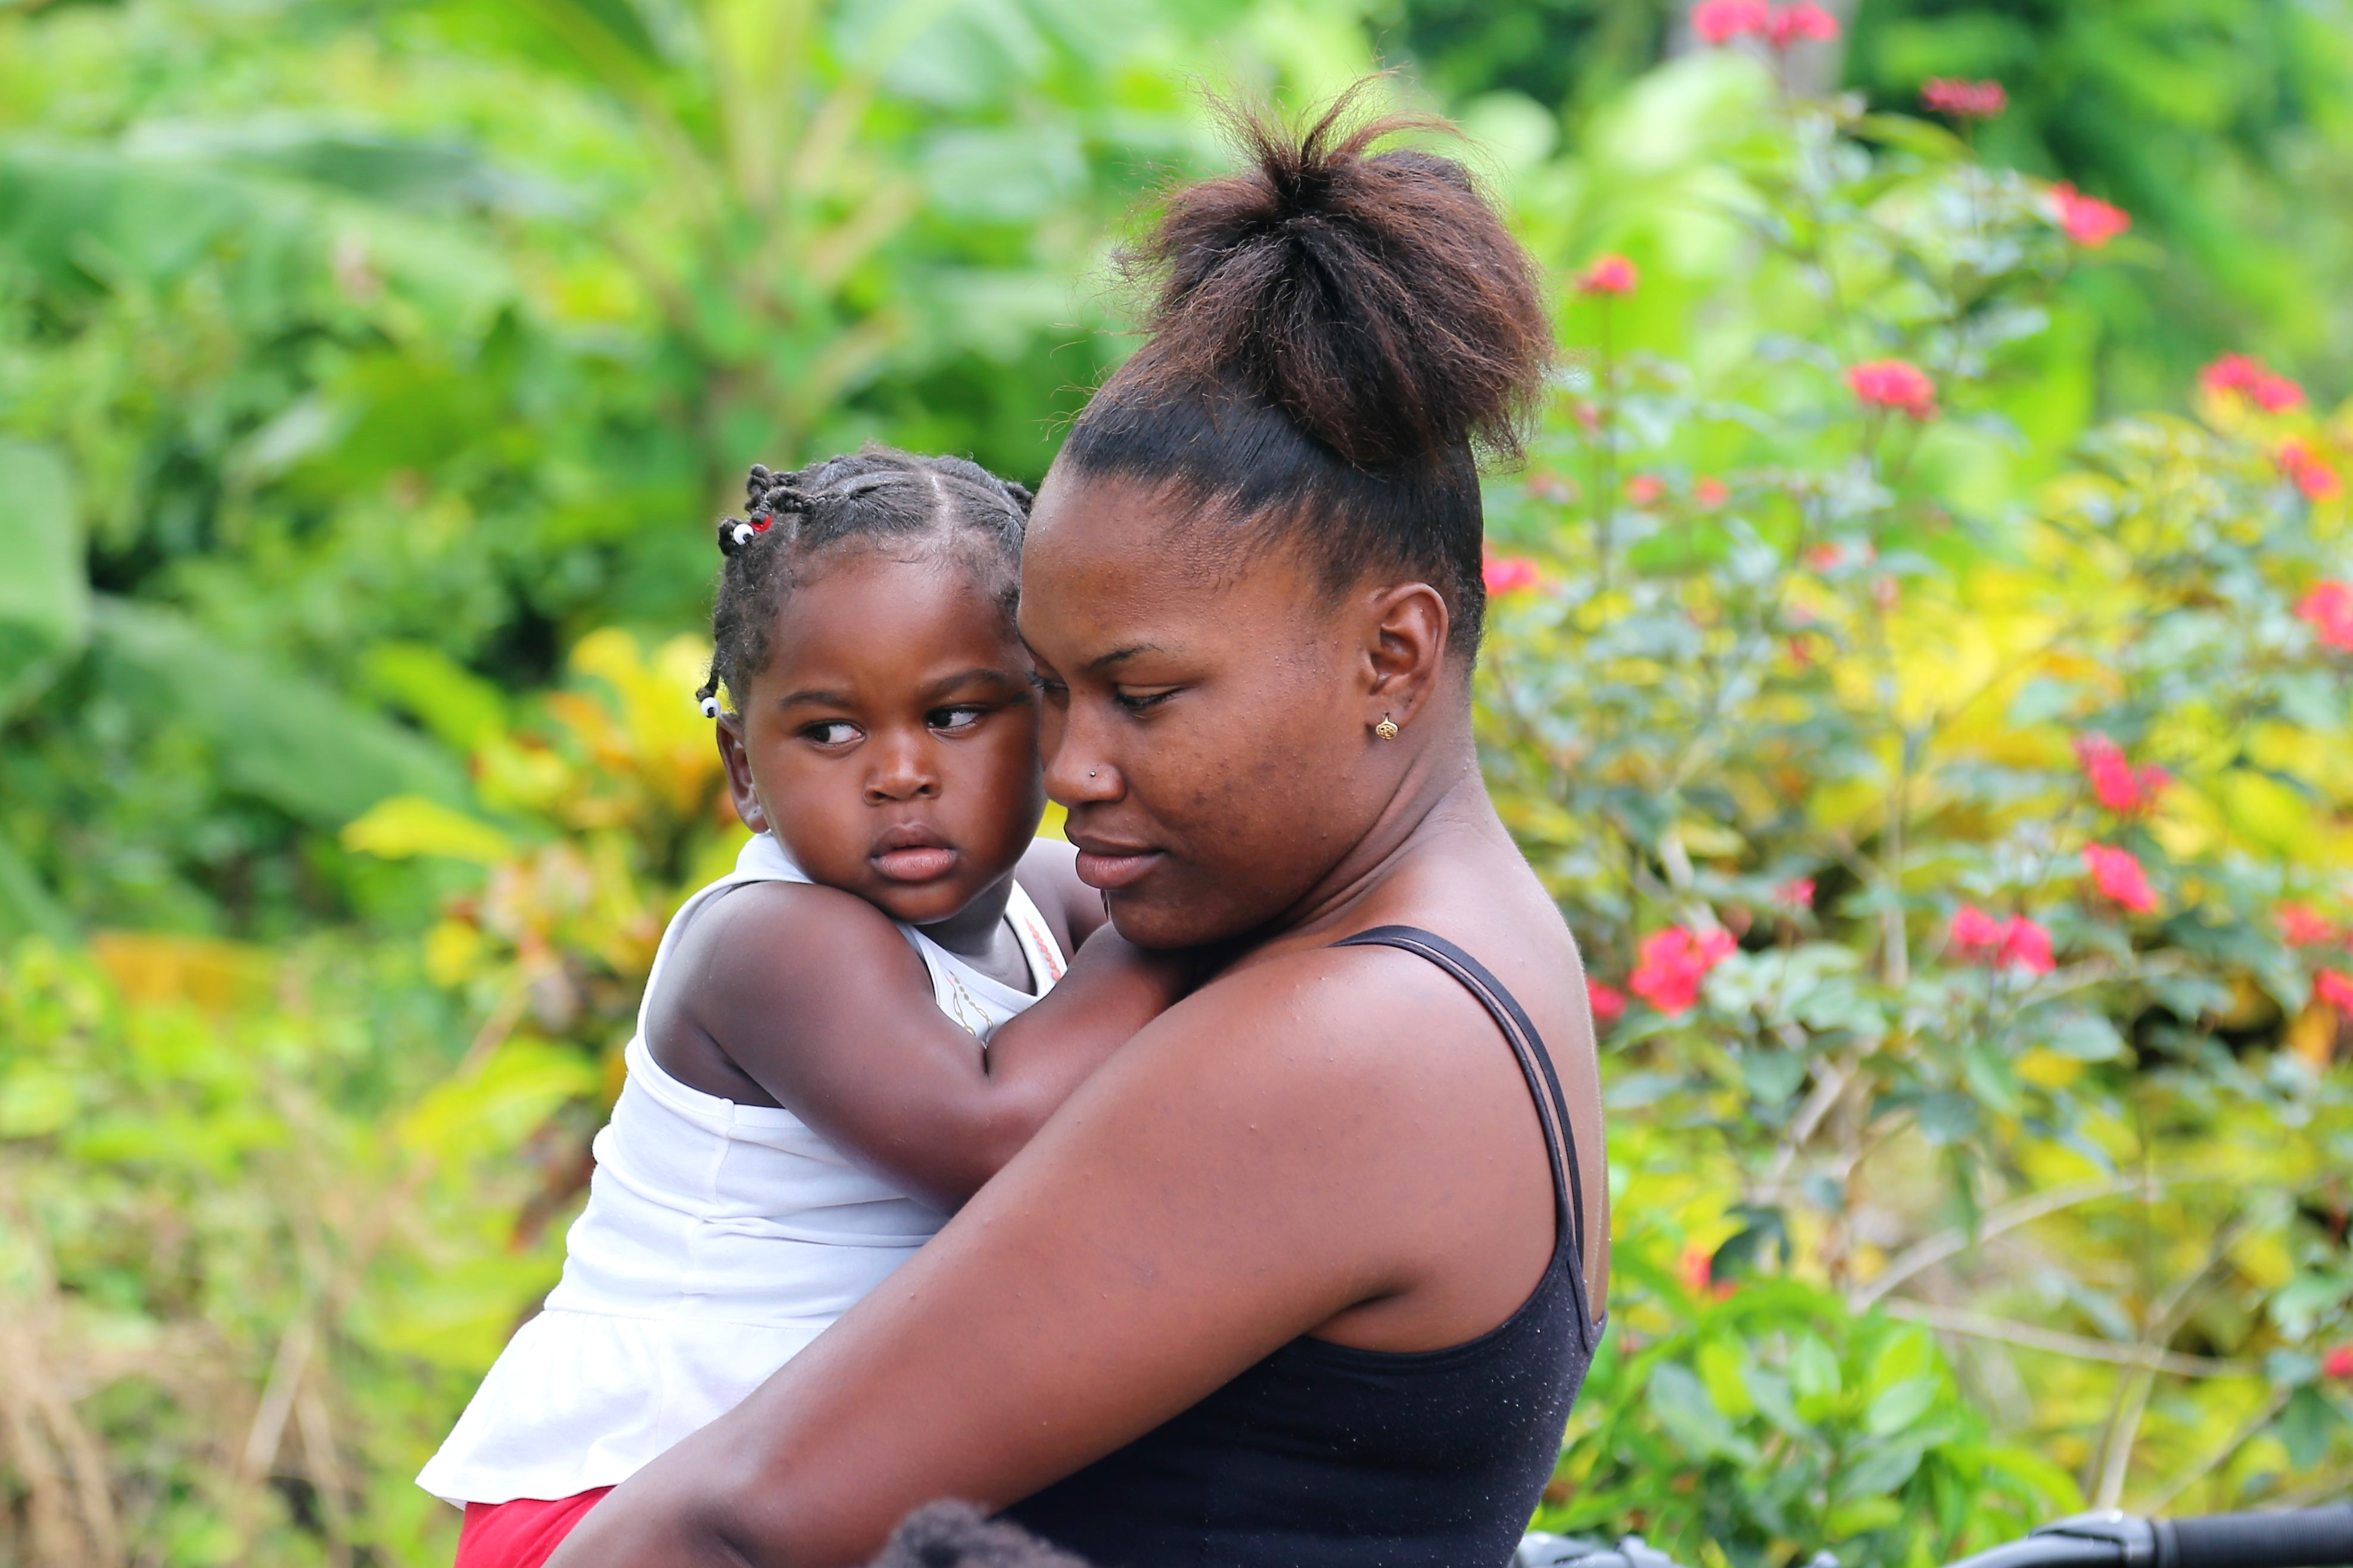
(2305, 1538)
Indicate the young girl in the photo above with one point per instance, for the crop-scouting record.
(838, 1043)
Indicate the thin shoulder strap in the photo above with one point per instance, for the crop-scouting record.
(1535, 1066)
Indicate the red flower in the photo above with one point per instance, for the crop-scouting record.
(1508, 573)
(2122, 788)
(1674, 961)
(1800, 654)
(2328, 609)
(1803, 20)
(2017, 943)
(1611, 274)
(1608, 1003)
(1721, 21)
(1644, 490)
(2301, 925)
(2311, 471)
(1697, 1267)
(2089, 221)
(1797, 893)
(2337, 1362)
(1964, 99)
(1710, 492)
(2119, 877)
(1894, 383)
(2334, 987)
(2026, 946)
(2244, 373)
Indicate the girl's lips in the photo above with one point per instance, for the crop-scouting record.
(916, 863)
(1111, 871)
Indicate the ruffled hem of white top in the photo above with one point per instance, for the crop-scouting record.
(718, 1241)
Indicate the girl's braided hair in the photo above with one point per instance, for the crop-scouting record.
(873, 494)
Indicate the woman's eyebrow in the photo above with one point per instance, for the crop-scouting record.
(1096, 666)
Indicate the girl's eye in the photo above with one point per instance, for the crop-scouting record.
(955, 720)
(1138, 701)
(830, 732)
(1052, 690)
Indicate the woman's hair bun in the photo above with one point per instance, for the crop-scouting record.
(1375, 297)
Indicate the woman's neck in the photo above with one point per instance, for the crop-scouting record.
(1442, 800)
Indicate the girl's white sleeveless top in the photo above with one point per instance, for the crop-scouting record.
(718, 1240)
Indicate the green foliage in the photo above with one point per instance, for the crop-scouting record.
(1791, 707)
(368, 375)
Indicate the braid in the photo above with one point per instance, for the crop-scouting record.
(877, 492)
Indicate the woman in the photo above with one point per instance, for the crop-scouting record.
(1301, 1276)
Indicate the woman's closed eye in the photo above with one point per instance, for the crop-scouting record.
(1139, 700)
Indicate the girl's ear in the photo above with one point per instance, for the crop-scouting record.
(738, 763)
(1404, 653)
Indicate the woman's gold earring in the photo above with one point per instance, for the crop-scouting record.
(1386, 728)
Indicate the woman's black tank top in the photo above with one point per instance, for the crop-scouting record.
(1323, 1455)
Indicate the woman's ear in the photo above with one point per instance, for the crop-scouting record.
(1404, 652)
(738, 763)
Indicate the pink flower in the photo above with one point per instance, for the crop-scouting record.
(2328, 609)
(2338, 1362)
(1721, 21)
(1800, 654)
(1608, 1003)
(1674, 961)
(1894, 383)
(2301, 925)
(1710, 492)
(2245, 375)
(2088, 221)
(1611, 274)
(2119, 877)
(1961, 100)
(1508, 573)
(1797, 893)
(1546, 485)
(2312, 472)
(2334, 987)
(1803, 20)
(1644, 490)
(2119, 786)
(2017, 942)
(2026, 946)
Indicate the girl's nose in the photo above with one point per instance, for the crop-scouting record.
(903, 771)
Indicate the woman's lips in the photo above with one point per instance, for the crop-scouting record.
(1112, 869)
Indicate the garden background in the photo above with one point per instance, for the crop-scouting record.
(1920, 667)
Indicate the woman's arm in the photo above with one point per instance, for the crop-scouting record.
(1331, 1142)
(816, 997)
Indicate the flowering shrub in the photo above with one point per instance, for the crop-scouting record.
(1961, 868)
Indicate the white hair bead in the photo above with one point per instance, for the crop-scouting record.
(710, 707)
(746, 533)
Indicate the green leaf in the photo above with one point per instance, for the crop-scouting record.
(44, 594)
(1899, 1407)
(280, 736)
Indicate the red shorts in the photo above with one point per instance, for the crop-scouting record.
(522, 1533)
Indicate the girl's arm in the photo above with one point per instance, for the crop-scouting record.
(1334, 1143)
(814, 994)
